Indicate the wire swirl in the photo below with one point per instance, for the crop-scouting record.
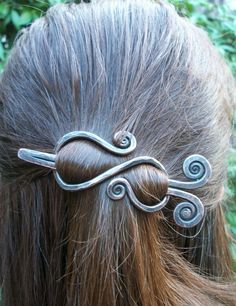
(125, 142)
(117, 189)
(195, 167)
(188, 213)
(124, 139)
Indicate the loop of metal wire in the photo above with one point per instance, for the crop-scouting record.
(195, 167)
(187, 213)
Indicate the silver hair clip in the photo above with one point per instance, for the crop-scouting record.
(195, 167)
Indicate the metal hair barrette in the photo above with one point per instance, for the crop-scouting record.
(195, 167)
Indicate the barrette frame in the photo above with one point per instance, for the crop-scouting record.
(195, 167)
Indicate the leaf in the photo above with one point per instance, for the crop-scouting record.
(7, 20)
(230, 26)
(20, 20)
(4, 9)
(25, 18)
(15, 17)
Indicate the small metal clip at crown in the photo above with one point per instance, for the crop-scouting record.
(195, 167)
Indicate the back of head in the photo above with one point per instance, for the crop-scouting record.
(105, 67)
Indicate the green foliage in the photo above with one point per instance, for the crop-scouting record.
(16, 14)
(218, 20)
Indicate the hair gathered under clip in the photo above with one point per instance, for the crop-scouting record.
(195, 167)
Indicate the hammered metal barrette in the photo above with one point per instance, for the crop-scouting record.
(195, 167)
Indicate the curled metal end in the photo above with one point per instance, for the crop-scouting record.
(196, 168)
(186, 214)
(117, 189)
(125, 142)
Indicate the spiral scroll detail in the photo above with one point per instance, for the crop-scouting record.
(124, 139)
(188, 213)
(197, 168)
(117, 189)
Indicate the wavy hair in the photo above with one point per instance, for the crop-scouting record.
(104, 67)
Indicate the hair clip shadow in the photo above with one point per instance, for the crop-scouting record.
(195, 167)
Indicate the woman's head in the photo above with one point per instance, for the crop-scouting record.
(104, 67)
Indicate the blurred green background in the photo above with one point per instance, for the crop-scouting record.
(217, 17)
